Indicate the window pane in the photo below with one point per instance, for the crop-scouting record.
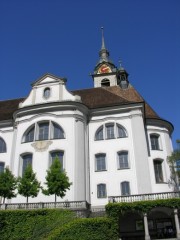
(158, 171)
(110, 131)
(100, 162)
(1, 167)
(60, 155)
(123, 160)
(2, 146)
(43, 131)
(99, 134)
(125, 189)
(101, 191)
(29, 137)
(27, 160)
(154, 142)
(121, 133)
(57, 131)
(47, 93)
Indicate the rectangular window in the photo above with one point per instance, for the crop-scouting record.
(123, 160)
(43, 131)
(101, 191)
(155, 142)
(101, 162)
(110, 131)
(27, 160)
(60, 155)
(158, 171)
(125, 188)
(2, 167)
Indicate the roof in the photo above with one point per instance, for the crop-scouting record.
(92, 98)
(109, 96)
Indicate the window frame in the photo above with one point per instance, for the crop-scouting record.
(22, 169)
(101, 193)
(158, 170)
(96, 162)
(51, 159)
(3, 147)
(45, 95)
(102, 132)
(2, 167)
(122, 187)
(123, 163)
(155, 142)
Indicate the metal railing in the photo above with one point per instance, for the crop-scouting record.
(144, 197)
(73, 205)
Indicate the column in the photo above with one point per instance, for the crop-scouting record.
(147, 237)
(177, 224)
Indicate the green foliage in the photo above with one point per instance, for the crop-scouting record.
(28, 185)
(116, 209)
(8, 184)
(56, 180)
(32, 224)
(173, 161)
(86, 229)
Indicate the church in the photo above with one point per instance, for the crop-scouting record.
(108, 139)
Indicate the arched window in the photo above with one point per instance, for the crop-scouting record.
(26, 160)
(101, 191)
(110, 130)
(46, 93)
(158, 172)
(2, 146)
(123, 162)
(154, 142)
(29, 135)
(43, 131)
(125, 188)
(60, 155)
(99, 134)
(58, 133)
(100, 162)
(105, 82)
(121, 133)
(2, 164)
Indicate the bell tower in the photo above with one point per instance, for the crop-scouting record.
(105, 71)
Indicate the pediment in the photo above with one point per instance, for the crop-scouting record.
(48, 79)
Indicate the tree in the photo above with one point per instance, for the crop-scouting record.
(174, 163)
(28, 185)
(8, 184)
(56, 180)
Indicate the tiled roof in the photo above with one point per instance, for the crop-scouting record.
(92, 98)
(109, 96)
(7, 108)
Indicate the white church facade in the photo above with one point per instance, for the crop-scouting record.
(108, 139)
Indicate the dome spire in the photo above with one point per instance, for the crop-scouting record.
(103, 54)
(103, 43)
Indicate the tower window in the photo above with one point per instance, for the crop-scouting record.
(158, 171)
(154, 142)
(105, 82)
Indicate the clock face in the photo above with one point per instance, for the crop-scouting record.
(104, 69)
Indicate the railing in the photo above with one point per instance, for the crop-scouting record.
(74, 205)
(144, 197)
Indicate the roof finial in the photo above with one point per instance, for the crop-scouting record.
(103, 44)
(120, 63)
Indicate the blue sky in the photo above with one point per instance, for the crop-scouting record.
(63, 37)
